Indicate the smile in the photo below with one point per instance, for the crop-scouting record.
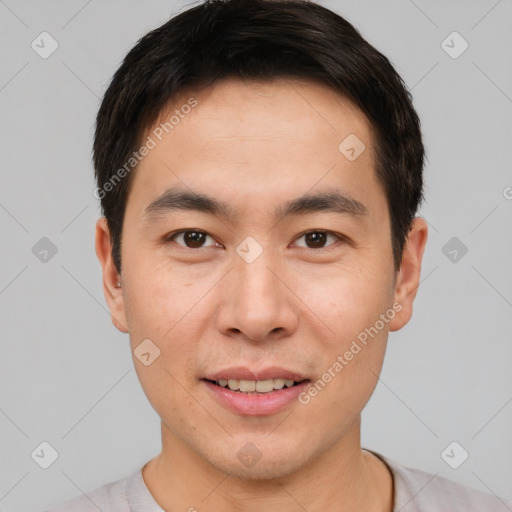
(255, 386)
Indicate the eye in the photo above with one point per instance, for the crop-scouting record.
(192, 239)
(317, 239)
(195, 239)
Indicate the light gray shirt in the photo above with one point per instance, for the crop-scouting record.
(414, 491)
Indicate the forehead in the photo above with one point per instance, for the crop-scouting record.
(266, 110)
(258, 140)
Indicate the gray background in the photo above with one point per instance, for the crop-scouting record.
(66, 374)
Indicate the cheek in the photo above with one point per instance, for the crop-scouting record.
(160, 300)
(172, 401)
(165, 310)
(346, 299)
(350, 302)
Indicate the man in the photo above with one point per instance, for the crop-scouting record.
(259, 167)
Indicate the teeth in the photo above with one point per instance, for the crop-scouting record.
(264, 386)
(247, 385)
(233, 384)
(278, 383)
(251, 386)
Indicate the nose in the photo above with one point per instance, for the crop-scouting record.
(258, 302)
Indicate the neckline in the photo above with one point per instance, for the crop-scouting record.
(391, 471)
(140, 498)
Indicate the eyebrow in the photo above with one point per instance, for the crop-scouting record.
(332, 201)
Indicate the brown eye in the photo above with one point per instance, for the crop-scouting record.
(317, 239)
(191, 239)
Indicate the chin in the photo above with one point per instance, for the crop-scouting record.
(262, 470)
(268, 462)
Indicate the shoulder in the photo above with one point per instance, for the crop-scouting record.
(110, 497)
(419, 491)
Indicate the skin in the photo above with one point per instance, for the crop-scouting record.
(255, 146)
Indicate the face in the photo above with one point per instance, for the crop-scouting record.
(256, 286)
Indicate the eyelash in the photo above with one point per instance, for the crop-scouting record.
(172, 236)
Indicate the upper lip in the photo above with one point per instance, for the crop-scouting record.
(244, 373)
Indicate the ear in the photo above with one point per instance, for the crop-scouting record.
(408, 277)
(111, 279)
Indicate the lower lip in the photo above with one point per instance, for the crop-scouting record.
(256, 405)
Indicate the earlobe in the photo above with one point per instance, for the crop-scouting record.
(111, 279)
(408, 277)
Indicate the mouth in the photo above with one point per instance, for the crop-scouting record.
(256, 387)
(255, 393)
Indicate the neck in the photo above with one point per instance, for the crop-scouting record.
(180, 480)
